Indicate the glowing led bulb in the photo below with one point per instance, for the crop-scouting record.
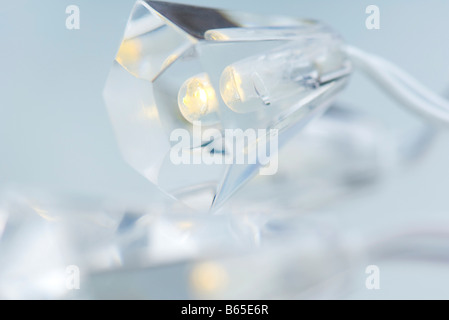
(279, 79)
(242, 88)
(197, 100)
(266, 81)
(231, 87)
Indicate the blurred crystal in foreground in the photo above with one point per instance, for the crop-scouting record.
(205, 72)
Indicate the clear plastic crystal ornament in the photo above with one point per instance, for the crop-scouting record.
(199, 69)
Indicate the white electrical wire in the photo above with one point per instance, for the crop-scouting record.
(401, 85)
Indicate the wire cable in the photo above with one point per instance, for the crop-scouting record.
(401, 86)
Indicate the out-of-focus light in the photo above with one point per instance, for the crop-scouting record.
(208, 277)
(129, 52)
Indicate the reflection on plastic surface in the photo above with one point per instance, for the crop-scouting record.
(166, 250)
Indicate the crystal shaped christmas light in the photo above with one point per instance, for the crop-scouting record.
(186, 76)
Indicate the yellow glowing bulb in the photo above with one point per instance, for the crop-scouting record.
(197, 100)
(209, 277)
(245, 89)
(231, 88)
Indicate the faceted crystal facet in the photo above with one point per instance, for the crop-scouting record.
(204, 72)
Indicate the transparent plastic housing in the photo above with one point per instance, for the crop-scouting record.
(195, 69)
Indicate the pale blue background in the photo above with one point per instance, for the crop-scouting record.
(55, 134)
